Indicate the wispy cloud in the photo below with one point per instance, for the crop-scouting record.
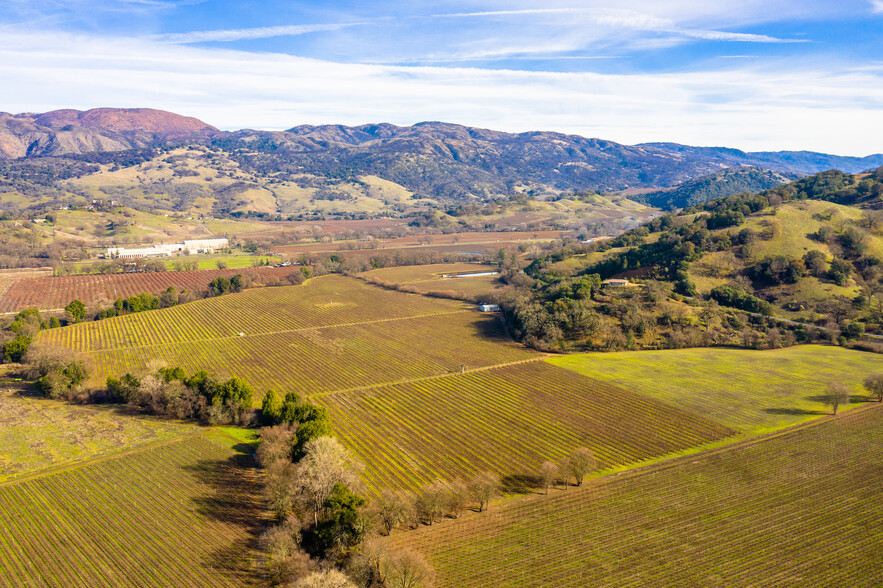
(252, 33)
(877, 5)
(739, 106)
(629, 19)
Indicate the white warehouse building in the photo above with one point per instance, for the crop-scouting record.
(167, 250)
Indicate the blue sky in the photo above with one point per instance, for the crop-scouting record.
(757, 75)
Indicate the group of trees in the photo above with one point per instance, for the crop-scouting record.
(171, 393)
(17, 337)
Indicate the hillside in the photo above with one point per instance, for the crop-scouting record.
(723, 183)
(156, 159)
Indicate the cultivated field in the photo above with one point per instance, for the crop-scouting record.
(329, 334)
(799, 509)
(53, 293)
(753, 391)
(37, 434)
(428, 278)
(182, 514)
(507, 420)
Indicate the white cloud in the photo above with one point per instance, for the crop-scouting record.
(791, 106)
(253, 33)
(877, 5)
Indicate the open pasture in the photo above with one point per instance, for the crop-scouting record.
(507, 420)
(54, 293)
(329, 334)
(799, 509)
(183, 514)
(37, 434)
(753, 391)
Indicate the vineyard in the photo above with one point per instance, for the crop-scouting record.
(429, 278)
(753, 391)
(184, 514)
(507, 420)
(54, 293)
(37, 434)
(799, 509)
(329, 334)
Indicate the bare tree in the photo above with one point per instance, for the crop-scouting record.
(283, 559)
(874, 385)
(275, 444)
(483, 487)
(709, 313)
(582, 462)
(325, 463)
(564, 471)
(548, 473)
(836, 395)
(433, 500)
(407, 569)
(458, 498)
(390, 510)
(278, 490)
(330, 578)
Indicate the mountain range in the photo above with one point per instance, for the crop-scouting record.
(430, 159)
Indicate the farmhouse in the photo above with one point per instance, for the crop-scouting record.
(615, 282)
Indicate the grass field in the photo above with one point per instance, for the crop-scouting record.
(507, 420)
(54, 293)
(37, 434)
(180, 514)
(329, 334)
(799, 509)
(753, 391)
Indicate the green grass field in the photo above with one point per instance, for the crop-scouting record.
(799, 509)
(753, 391)
(37, 434)
(182, 514)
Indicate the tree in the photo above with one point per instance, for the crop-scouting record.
(458, 498)
(282, 557)
(390, 510)
(582, 462)
(483, 487)
(709, 312)
(279, 490)
(874, 385)
(75, 311)
(548, 474)
(345, 525)
(330, 578)
(407, 569)
(836, 395)
(271, 408)
(433, 500)
(275, 444)
(325, 464)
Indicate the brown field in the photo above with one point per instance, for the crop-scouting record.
(797, 509)
(428, 278)
(54, 293)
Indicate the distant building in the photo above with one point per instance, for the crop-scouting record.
(484, 307)
(615, 282)
(167, 250)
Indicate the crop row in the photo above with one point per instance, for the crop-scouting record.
(50, 292)
(159, 517)
(326, 301)
(322, 359)
(507, 420)
(799, 509)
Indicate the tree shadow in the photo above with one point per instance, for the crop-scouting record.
(794, 411)
(519, 483)
(853, 398)
(232, 496)
(492, 328)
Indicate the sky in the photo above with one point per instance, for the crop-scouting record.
(754, 75)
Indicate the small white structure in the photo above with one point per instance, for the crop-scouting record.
(485, 307)
(205, 245)
(615, 282)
